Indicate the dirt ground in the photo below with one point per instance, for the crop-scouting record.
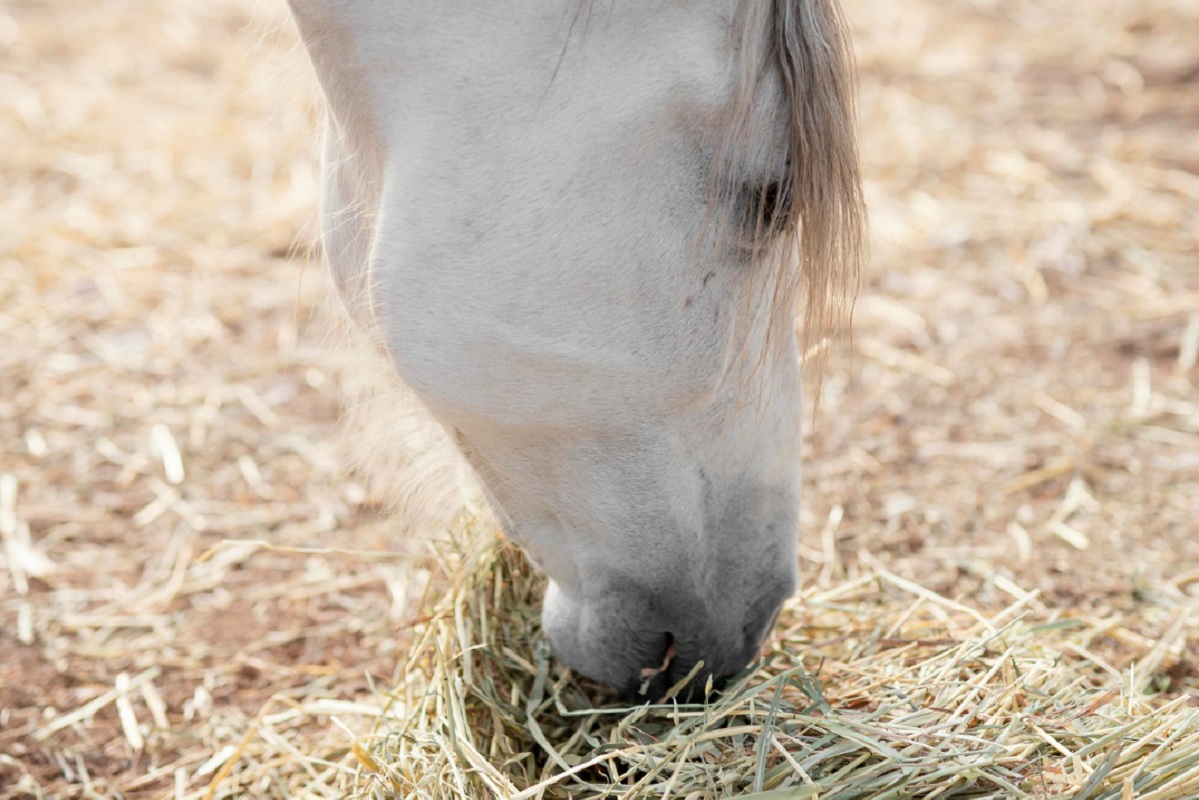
(184, 555)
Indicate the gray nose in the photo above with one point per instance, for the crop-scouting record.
(643, 640)
(723, 657)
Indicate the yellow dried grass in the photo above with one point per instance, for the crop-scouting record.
(874, 688)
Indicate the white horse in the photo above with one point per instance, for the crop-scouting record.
(574, 227)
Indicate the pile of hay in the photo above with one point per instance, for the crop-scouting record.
(876, 688)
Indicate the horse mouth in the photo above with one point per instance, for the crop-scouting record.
(655, 683)
(674, 679)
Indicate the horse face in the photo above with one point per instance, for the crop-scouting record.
(518, 200)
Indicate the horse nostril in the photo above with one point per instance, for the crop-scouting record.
(653, 681)
(763, 634)
(648, 673)
(757, 629)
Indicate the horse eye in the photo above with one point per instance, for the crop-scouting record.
(767, 206)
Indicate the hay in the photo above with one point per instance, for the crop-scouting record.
(877, 688)
(196, 602)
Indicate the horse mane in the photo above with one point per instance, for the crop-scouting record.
(812, 218)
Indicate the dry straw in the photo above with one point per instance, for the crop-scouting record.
(875, 688)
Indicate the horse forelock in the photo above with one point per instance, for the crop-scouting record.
(807, 227)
